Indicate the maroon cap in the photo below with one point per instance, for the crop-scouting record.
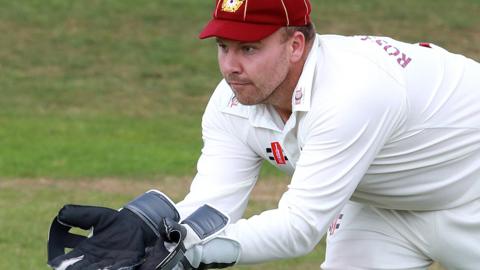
(253, 20)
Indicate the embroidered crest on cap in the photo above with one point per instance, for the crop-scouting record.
(231, 5)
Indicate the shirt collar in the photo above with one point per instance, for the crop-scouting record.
(303, 90)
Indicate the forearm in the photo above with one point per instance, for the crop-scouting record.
(231, 197)
(274, 234)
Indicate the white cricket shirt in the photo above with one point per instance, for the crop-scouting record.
(374, 120)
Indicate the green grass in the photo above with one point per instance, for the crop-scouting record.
(108, 89)
(66, 146)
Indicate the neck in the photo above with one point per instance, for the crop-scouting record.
(283, 100)
(283, 113)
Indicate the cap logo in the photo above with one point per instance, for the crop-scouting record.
(231, 5)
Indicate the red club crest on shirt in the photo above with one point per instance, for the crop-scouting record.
(278, 153)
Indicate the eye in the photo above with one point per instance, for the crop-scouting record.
(249, 49)
(222, 47)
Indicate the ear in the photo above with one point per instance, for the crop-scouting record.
(297, 46)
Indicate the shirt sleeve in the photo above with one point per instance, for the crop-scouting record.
(228, 168)
(343, 134)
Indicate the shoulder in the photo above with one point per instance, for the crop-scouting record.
(357, 57)
(349, 69)
(353, 87)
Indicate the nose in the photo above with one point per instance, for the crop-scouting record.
(229, 63)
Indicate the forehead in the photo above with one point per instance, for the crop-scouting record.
(273, 38)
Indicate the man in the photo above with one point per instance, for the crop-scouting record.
(381, 137)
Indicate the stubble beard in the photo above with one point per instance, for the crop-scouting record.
(269, 93)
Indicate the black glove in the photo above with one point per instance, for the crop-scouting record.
(120, 238)
(193, 244)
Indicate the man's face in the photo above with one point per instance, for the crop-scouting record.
(254, 70)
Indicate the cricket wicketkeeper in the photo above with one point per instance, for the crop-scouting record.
(381, 139)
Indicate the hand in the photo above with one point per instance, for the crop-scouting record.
(194, 244)
(110, 246)
(119, 239)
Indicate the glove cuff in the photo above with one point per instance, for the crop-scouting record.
(204, 224)
(205, 245)
(152, 207)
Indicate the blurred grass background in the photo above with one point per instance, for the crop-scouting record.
(102, 99)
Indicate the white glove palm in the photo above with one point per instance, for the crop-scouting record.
(219, 252)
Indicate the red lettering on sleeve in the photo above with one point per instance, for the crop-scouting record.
(393, 51)
(404, 60)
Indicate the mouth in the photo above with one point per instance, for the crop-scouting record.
(234, 84)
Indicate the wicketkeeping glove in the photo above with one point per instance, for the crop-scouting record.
(119, 240)
(196, 243)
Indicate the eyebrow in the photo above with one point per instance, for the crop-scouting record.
(222, 41)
